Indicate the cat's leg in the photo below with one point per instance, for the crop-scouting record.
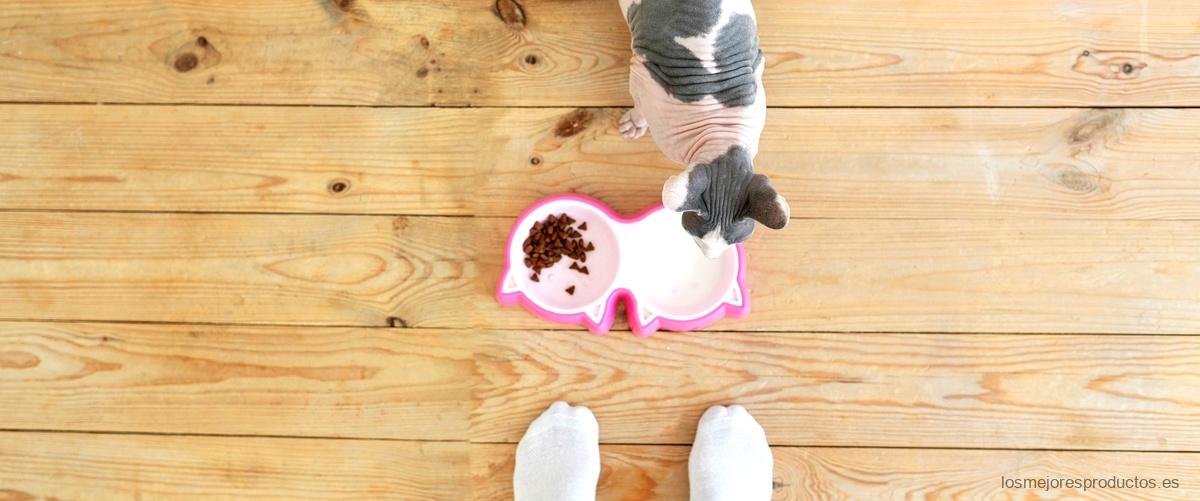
(633, 125)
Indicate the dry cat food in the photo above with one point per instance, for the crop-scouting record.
(553, 238)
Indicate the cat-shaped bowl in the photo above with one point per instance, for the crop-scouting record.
(649, 261)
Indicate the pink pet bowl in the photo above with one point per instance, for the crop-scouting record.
(649, 261)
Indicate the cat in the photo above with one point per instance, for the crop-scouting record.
(696, 81)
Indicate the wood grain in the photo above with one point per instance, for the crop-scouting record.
(817, 275)
(644, 472)
(927, 276)
(247, 159)
(876, 390)
(322, 270)
(885, 164)
(97, 466)
(363, 383)
(545, 53)
(886, 390)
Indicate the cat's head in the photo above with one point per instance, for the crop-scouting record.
(721, 200)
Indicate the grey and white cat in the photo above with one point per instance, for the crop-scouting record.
(696, 81)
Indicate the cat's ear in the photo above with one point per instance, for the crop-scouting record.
(681, 192)
(766, 205)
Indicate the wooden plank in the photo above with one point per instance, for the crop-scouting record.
(320, 270)
(963, 276)
(254, 159)
(638, 472)
(830, 163)
(540, 52)
(98, 466)
(916, 275)
(944, 276)
(870, 390)
(887, 390)
(364, 383)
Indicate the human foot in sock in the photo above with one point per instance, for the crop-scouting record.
(730, 458)
(558, 459)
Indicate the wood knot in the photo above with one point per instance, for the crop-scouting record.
(186, 62)
(535, 160)
(397, 322)
(344, 5)
(1115, 67)
(574, 123)
(1096, 124)
(1076, 180)
(424, 42)
(511, 12)
(197, 53)
(422, 72)
(531, 59)
(338, 186)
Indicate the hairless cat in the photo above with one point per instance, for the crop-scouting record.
(696, 81)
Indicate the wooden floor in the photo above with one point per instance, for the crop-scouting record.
(993, 270)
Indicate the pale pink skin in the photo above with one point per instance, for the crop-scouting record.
(702, 319)
(691, 133)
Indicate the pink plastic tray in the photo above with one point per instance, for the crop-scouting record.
(648, 261)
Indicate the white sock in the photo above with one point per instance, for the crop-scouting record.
(730, 459)
(558, 459)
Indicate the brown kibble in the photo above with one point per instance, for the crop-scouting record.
(583, 226)
(552, 239)
(571, 290)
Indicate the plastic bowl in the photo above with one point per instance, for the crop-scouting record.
(648, 261)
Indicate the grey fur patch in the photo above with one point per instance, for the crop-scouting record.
(719, 194)
(655, 24)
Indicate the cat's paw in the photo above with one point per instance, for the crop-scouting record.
(633, 125)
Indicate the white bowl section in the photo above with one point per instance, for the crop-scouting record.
(670, 277)
(549, 292)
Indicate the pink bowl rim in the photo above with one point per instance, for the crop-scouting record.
(722, 310)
